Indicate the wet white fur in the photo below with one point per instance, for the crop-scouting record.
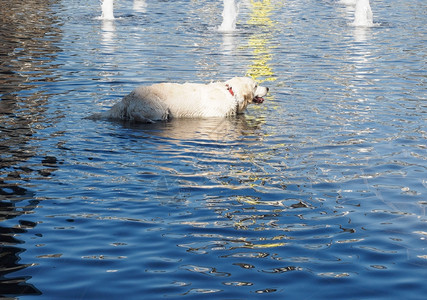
(164, 101)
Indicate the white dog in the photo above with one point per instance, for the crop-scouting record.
(165, 101)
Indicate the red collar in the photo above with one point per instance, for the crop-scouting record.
(230, 89)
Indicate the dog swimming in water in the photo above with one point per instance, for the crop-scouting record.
(165, 101)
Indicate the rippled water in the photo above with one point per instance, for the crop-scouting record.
(319, 193)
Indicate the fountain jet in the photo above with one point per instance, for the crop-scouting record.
(229, 16)
(107, 10)
(363, 14)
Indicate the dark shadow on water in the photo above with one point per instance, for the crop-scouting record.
(10, 253)
(29, 32)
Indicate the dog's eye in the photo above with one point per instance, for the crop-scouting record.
(256, 85)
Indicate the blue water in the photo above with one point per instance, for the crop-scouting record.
(319, 193)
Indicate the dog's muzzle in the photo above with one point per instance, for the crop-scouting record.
(258, 100)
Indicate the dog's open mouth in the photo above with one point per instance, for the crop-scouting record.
(258, 100)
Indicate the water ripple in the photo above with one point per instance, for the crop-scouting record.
(316, 192)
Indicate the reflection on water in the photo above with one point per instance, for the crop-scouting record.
(213, 129)
(108, 34)
(10, 252)
(261, 69)
(140, 6)
(361, 34)
(318, 193)
(29, 33)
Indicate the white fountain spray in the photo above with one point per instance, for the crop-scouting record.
(229, 16)
(107, 10)
(363, 14)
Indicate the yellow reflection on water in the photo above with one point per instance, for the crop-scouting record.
(270, 245)
(260, 43)
(261, 12)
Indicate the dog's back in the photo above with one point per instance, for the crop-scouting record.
(163, 101)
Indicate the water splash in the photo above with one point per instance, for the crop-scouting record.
(229, 16)
(107, 10)
(363, 14)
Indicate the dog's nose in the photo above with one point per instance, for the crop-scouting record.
(267, 89)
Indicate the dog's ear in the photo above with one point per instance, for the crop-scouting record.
(248, 96)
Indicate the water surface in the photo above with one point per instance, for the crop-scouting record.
(319, 193)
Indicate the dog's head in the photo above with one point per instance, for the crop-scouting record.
(246, 91)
